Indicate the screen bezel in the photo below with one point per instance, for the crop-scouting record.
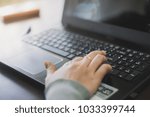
(121, 33)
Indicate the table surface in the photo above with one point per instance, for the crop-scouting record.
(15, 86)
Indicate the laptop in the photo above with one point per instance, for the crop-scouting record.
(121, 28)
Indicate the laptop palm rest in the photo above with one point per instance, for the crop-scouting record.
(32, 62)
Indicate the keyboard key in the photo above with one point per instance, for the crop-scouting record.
(128, 70)
(64, 43)
(142, 67)
(126, 63)
(129, 50)
(115, 72)
(71, 56)
(78, 53)
(125, 59)
(137, 57)
(131, 60)
(141, 54)
(135, 52)
(132, 75)
(121, 68)
(138, 62)
(61, 47)
(55, 50)
(129, 77)
(122, 75)
(147, 56)
(72, 51)
(133, 66)
(56, 45)
(130, 55)
(66, 49)
(121, 52)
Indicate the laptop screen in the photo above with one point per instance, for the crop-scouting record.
(111, 16)
(134, 14)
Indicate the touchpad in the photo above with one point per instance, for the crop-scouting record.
(32, 62)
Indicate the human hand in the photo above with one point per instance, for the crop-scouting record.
(89, 71)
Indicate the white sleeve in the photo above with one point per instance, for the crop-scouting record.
(62, 89)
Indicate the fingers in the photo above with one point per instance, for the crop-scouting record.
(51, 68)
(97, 62)
(102, 71)
(87, 59)
(77, 59)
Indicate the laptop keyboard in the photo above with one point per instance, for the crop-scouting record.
(127, 64)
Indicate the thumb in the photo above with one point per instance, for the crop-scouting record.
(50, 67)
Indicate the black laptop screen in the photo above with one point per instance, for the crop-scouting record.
(132, 14)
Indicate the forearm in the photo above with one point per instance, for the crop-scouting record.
(62, 89)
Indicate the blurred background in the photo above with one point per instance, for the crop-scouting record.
(8, 2)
